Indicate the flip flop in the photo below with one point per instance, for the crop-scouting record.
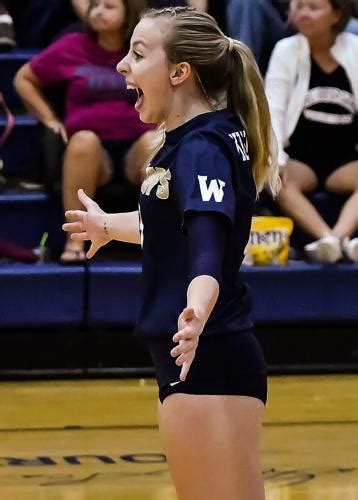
(72, 256)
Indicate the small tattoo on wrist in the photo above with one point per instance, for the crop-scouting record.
(105, 229)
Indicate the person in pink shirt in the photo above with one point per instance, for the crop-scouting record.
(104, 137)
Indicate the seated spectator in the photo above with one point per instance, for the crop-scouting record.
(105, 140)
(259, 24)
(38, 22)
(312, 88)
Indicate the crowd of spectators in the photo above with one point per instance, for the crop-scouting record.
(309, 62)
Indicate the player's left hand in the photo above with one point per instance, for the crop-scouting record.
(189, 330)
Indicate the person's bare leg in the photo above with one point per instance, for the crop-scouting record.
(345, 180)
(212, 444)
(298, 180)
(86, 166)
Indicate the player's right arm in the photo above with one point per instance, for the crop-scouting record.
(95, 225)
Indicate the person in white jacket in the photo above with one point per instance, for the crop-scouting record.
(312, 89)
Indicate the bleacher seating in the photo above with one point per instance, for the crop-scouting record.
(108, 293)
(41, 295)
(10, 62)
(280, 294)
(24, 216)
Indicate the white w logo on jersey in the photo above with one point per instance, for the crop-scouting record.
(215, 188)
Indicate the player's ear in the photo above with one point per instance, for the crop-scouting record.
(179, 73)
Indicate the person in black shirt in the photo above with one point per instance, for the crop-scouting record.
(312, 85)
(215, 152)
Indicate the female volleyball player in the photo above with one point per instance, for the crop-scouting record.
(193, 221)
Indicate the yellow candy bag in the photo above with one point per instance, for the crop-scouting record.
(269, 241)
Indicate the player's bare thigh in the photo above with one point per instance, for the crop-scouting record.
(212, 445)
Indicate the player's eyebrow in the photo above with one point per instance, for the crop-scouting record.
(139, 42)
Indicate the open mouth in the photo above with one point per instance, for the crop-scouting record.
(140, 96)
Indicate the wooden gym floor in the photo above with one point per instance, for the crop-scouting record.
(98, 440)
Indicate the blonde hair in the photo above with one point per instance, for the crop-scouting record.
(225, 67)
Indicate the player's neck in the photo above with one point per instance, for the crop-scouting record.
(184, 110)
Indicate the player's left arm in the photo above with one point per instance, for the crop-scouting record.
(207, 200)
(202, 293)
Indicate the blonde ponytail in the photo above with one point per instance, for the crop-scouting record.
(246, 95)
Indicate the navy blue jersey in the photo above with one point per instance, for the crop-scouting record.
(203, 166)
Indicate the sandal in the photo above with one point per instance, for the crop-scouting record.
(72, 255)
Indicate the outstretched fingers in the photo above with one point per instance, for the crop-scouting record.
(184, 348)
(75, 215)
(76, 225)
(185, 370)
(92, 250)
(185, 351)
(185, 354)
(86, 201)
(80, 236)
(73, 227)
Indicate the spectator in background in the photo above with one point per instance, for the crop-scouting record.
(101, 128)
(312, 88)
(38, 22)
(259, 24)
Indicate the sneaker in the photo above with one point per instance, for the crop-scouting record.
(350, 249)
(326, 250)
(7, 35)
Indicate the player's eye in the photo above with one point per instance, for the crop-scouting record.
(137, 56)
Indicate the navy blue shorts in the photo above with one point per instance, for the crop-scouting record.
(227, 364)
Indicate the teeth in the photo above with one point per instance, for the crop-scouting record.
(131, 87)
